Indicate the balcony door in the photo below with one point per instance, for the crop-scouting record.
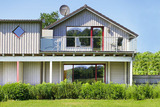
(97, 35)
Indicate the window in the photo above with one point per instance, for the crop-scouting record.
(84, 73)
(18, 31)
(78, 36)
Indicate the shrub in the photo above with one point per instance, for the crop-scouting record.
(44, 91)
(1, 94)
(115, 91)
(16, 91)
(156, 91)
(67, 90)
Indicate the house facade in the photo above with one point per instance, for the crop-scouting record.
(84, 37)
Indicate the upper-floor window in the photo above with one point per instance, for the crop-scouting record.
(18, 31)
(79, 36)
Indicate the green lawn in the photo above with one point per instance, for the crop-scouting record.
(82, 103)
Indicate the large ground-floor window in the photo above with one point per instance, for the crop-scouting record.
(85, 73)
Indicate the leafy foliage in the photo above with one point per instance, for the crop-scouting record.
(147, 63)
(1, 94)
(49, 18)
(66, 90)
(16, 91)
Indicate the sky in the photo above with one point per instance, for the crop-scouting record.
(140, 16)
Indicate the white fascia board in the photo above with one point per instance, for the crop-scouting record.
(64, 59)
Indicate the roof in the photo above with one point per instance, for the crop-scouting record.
(21, 20)
(93, 11)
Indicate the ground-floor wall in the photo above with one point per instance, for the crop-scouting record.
(57, 72)
(38, 72)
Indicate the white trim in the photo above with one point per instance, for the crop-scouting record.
(64, 59)
(50, 72)
(109, 72)
(60, 70)
(44, 71)
(125, 72)
(131, 73)
(106, 73)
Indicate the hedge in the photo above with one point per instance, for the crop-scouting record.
(65, 90)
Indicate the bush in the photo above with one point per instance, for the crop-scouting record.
(44, 91)
(16, 91)
(1, 94)
(66, 90)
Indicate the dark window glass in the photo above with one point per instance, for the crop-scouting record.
(97, 38)
(78, 36)
(84, 73)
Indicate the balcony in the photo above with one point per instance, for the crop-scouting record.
(88, 44)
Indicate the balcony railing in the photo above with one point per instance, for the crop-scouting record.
(88, 43)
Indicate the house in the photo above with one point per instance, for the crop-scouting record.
(84, 37)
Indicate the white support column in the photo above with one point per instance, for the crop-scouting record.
(106, 73)
(50, 72)
(125, 72)
(109, 73)
(44, 67)
(131, 73)
(60, 70)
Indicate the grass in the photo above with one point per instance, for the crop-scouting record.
(82, 103)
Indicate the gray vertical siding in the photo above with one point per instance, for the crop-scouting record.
(117, 72)
(86, 18)
(9, 72)
(28, 43)
(32, 72)
(1, 73)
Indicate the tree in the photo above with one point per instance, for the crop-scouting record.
(49, 18)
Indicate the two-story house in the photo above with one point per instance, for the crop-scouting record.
(34, 55)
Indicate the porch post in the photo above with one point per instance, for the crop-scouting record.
(109, 74)
(131, 75)
(44, 71)
(106, 76)
(60, 70)
(125, 72)
(50, 79)
(17, 71)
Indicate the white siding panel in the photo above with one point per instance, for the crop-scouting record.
(1, 73)
(47, 72)
(117, 72)
(56, 72)
(28, 43)
(21, 71)
(32, 72)
(9, 72)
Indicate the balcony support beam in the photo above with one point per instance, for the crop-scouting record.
(65, 59)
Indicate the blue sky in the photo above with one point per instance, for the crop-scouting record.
(141, 16)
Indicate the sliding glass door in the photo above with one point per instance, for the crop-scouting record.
(84, 73)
